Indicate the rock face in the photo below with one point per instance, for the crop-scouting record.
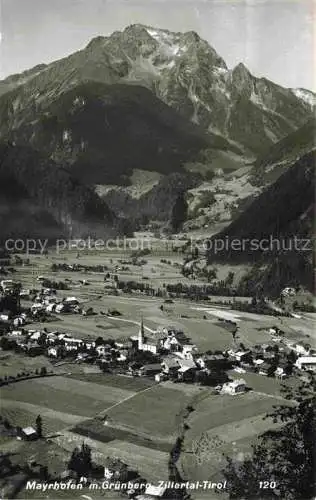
(182, 70)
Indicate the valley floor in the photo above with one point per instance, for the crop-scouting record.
(144, 417)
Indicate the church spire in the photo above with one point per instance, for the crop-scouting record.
(141, 335)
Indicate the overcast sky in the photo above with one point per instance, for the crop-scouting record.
(274, 38)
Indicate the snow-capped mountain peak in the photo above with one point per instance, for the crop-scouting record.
(305, 95)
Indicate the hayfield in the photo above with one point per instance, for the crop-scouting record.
(222, 426)
(117, 381)
(156, 413)
(152, 464)
(95, 429)
(62, 394)
(109, 395)
(24, 415)
(12, 363)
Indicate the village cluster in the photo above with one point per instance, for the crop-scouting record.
(164, 354)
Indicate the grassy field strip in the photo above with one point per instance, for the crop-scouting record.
(72, 386)
(59, 400)
(67, 418)
(229, 424)
(275, 396)
(155, 413)
(245, 428)
(126, 399)
(152, 463)
(24, 414)
(127, 382)
(137, 323)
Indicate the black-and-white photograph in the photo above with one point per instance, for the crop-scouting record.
(157, 306)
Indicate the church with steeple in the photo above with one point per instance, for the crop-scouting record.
(145, 343)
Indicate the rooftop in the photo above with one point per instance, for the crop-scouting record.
(307, 359)
(29, 430)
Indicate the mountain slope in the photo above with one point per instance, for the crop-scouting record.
(155, 204)
(103, 132)
(268, 167)
(38, 197)
(271, 231)
(181, 69)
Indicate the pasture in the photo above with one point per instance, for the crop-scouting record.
(11, 364)
(156, 413)
(150, 463)
(118, 381)
(63, 398)
(220, 426)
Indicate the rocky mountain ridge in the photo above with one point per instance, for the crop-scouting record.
(182, 70)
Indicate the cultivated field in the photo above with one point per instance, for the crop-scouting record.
(222, 426)
(144, 419)
(12, 364)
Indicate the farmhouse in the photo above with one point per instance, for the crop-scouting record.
(169, 365)
(187, 351)
(301, 349)
(235, 387)
(53, 352)
(150, 370)
(61, 308)
(214, 361)
(5, 316)
(16, 333)
(115, 469)
(72, 344)
(102, 350)
(240, 355)
(155, 491)
(72, 301)
(28, 434)
(19, 321)
(265, 369)
(280, 373)
(171, 343)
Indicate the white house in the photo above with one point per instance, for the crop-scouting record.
(306, 363)
(19, 321)
(50, 308)
(29, 433)
(16, 333)
(171, 343)
(288, 291)
(71, 301)
(60, 308)
(122, 357)
(52, 352)
(35, 336)
(280, 373)
(155, 491)
(37, 307)
(72, 344)
(258, 362)
(89, 344)
(301, 349)
(235, 387)
(102, 350)
(187, 352)
(5, 317)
